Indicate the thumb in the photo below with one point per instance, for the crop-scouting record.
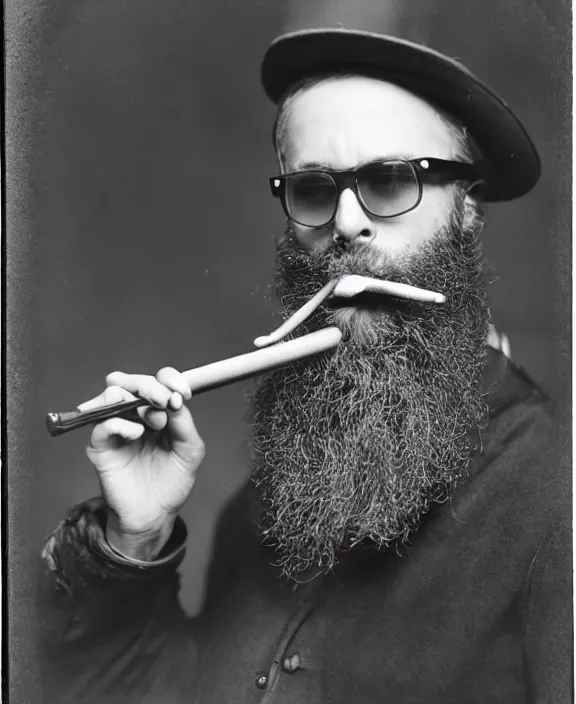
(183, 437)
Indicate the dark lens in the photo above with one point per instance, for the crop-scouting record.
(311, 198)
(388, 188)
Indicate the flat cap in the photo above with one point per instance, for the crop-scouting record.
(513, 166)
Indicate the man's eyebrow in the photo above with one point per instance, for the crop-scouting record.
(311, 165)
(318, 165)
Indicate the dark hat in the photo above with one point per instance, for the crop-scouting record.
(513, 165)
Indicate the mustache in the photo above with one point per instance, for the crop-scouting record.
(430, 265)
(360, 259)
(300, 275)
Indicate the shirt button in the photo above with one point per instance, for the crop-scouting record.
(261, 682)
(291, 664)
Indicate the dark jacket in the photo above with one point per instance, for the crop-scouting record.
(476, 608)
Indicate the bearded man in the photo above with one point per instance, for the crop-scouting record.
(402, 539)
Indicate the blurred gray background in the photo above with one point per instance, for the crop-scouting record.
(139, 223)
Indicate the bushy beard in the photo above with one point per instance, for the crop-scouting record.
(355, 445)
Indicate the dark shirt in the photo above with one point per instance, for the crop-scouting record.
(477, 607)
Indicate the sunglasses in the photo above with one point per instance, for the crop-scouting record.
(384, 189)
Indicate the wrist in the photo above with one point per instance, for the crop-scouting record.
(143, 545)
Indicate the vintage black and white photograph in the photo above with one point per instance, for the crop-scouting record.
(288, 352)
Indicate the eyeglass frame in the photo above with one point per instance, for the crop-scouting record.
(348, 178)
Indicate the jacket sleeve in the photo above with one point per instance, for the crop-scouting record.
(114, 629)
(549, 639)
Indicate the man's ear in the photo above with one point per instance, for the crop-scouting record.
(476, 190)
(473, 210)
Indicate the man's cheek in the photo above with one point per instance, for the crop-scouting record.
(281, 237)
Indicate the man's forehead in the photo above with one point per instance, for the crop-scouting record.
(360, 86)
(375, 114)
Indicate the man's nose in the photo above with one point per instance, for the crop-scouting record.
(351, 221)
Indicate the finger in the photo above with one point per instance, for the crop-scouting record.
(175, 403)
(112, 394)
(174, 380)
(154, 418)
(112, 432)
(183, 436)
(143, 385)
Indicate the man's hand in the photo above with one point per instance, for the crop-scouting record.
(146, 469)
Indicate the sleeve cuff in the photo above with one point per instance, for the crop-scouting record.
(81, 538)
